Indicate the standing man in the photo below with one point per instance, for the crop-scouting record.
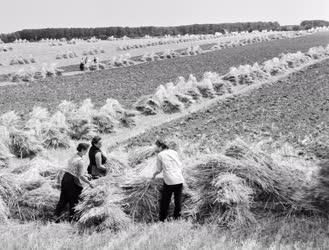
(71, 185)
(169, 164)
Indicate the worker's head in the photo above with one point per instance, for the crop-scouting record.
(161, 145)
(97, 142)
(82, 148)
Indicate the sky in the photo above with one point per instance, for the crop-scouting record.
(29, 14)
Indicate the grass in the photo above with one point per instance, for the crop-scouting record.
(272, 233)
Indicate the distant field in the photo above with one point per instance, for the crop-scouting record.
(128, 84)
(44, 53)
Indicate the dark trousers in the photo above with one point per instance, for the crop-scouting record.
(167, 192)
(70, 194)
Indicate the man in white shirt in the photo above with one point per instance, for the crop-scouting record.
(169, 164)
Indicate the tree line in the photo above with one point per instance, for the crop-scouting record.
(134, 32)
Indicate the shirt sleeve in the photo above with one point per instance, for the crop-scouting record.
(159, 164)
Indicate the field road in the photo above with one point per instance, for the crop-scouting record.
(128, 84)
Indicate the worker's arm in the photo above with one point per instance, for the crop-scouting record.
(82, 177)
(98, 158)
(158, 167)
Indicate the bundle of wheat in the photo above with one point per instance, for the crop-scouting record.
(274, 66)
(225, 202)
(101, 66)
(55, 134)
(222, 87)
(275, 187)
(38, 117)
(317, 52)
(79, 120)
(23, 144)
(147, 105)
(112, 108)
(52, 137)
(67, 107)
(147, 57)
(115, 167)
(51, 70)
(38, 204)
(188, 88)
(93, 66)
(172, 105)
(5, 155)
(39, 75)
(293, 60)
(127, 120)
(10, 190)
(13, 61)
(286, 193)
(257, 73)
(140, 154)
(104, 124)
(142, 197)
(141, 200)
(185, 99)
(319, 192)
(167, 54)
(217, 46)
(168, 102)
(196, 50)
(31, 59)
(4, 212)
(22, 75)
(206, 88)
(86, 109)
(327, 50)
(99, 208)
(4, 135)
(37, 169)
(81, 128)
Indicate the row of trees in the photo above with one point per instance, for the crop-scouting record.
(104, 33)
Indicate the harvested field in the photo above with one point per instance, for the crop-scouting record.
(289, 109)
(128, 84)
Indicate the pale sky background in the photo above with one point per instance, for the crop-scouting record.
(23, 14)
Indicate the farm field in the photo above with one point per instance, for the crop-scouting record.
(244, 116)
(128, 84)
(44, 53)
(289, 110)
(250, 142)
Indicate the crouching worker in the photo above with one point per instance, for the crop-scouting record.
(97, 159)
(71, 186)
(169, 164)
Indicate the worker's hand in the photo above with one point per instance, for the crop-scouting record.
(88, 176)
